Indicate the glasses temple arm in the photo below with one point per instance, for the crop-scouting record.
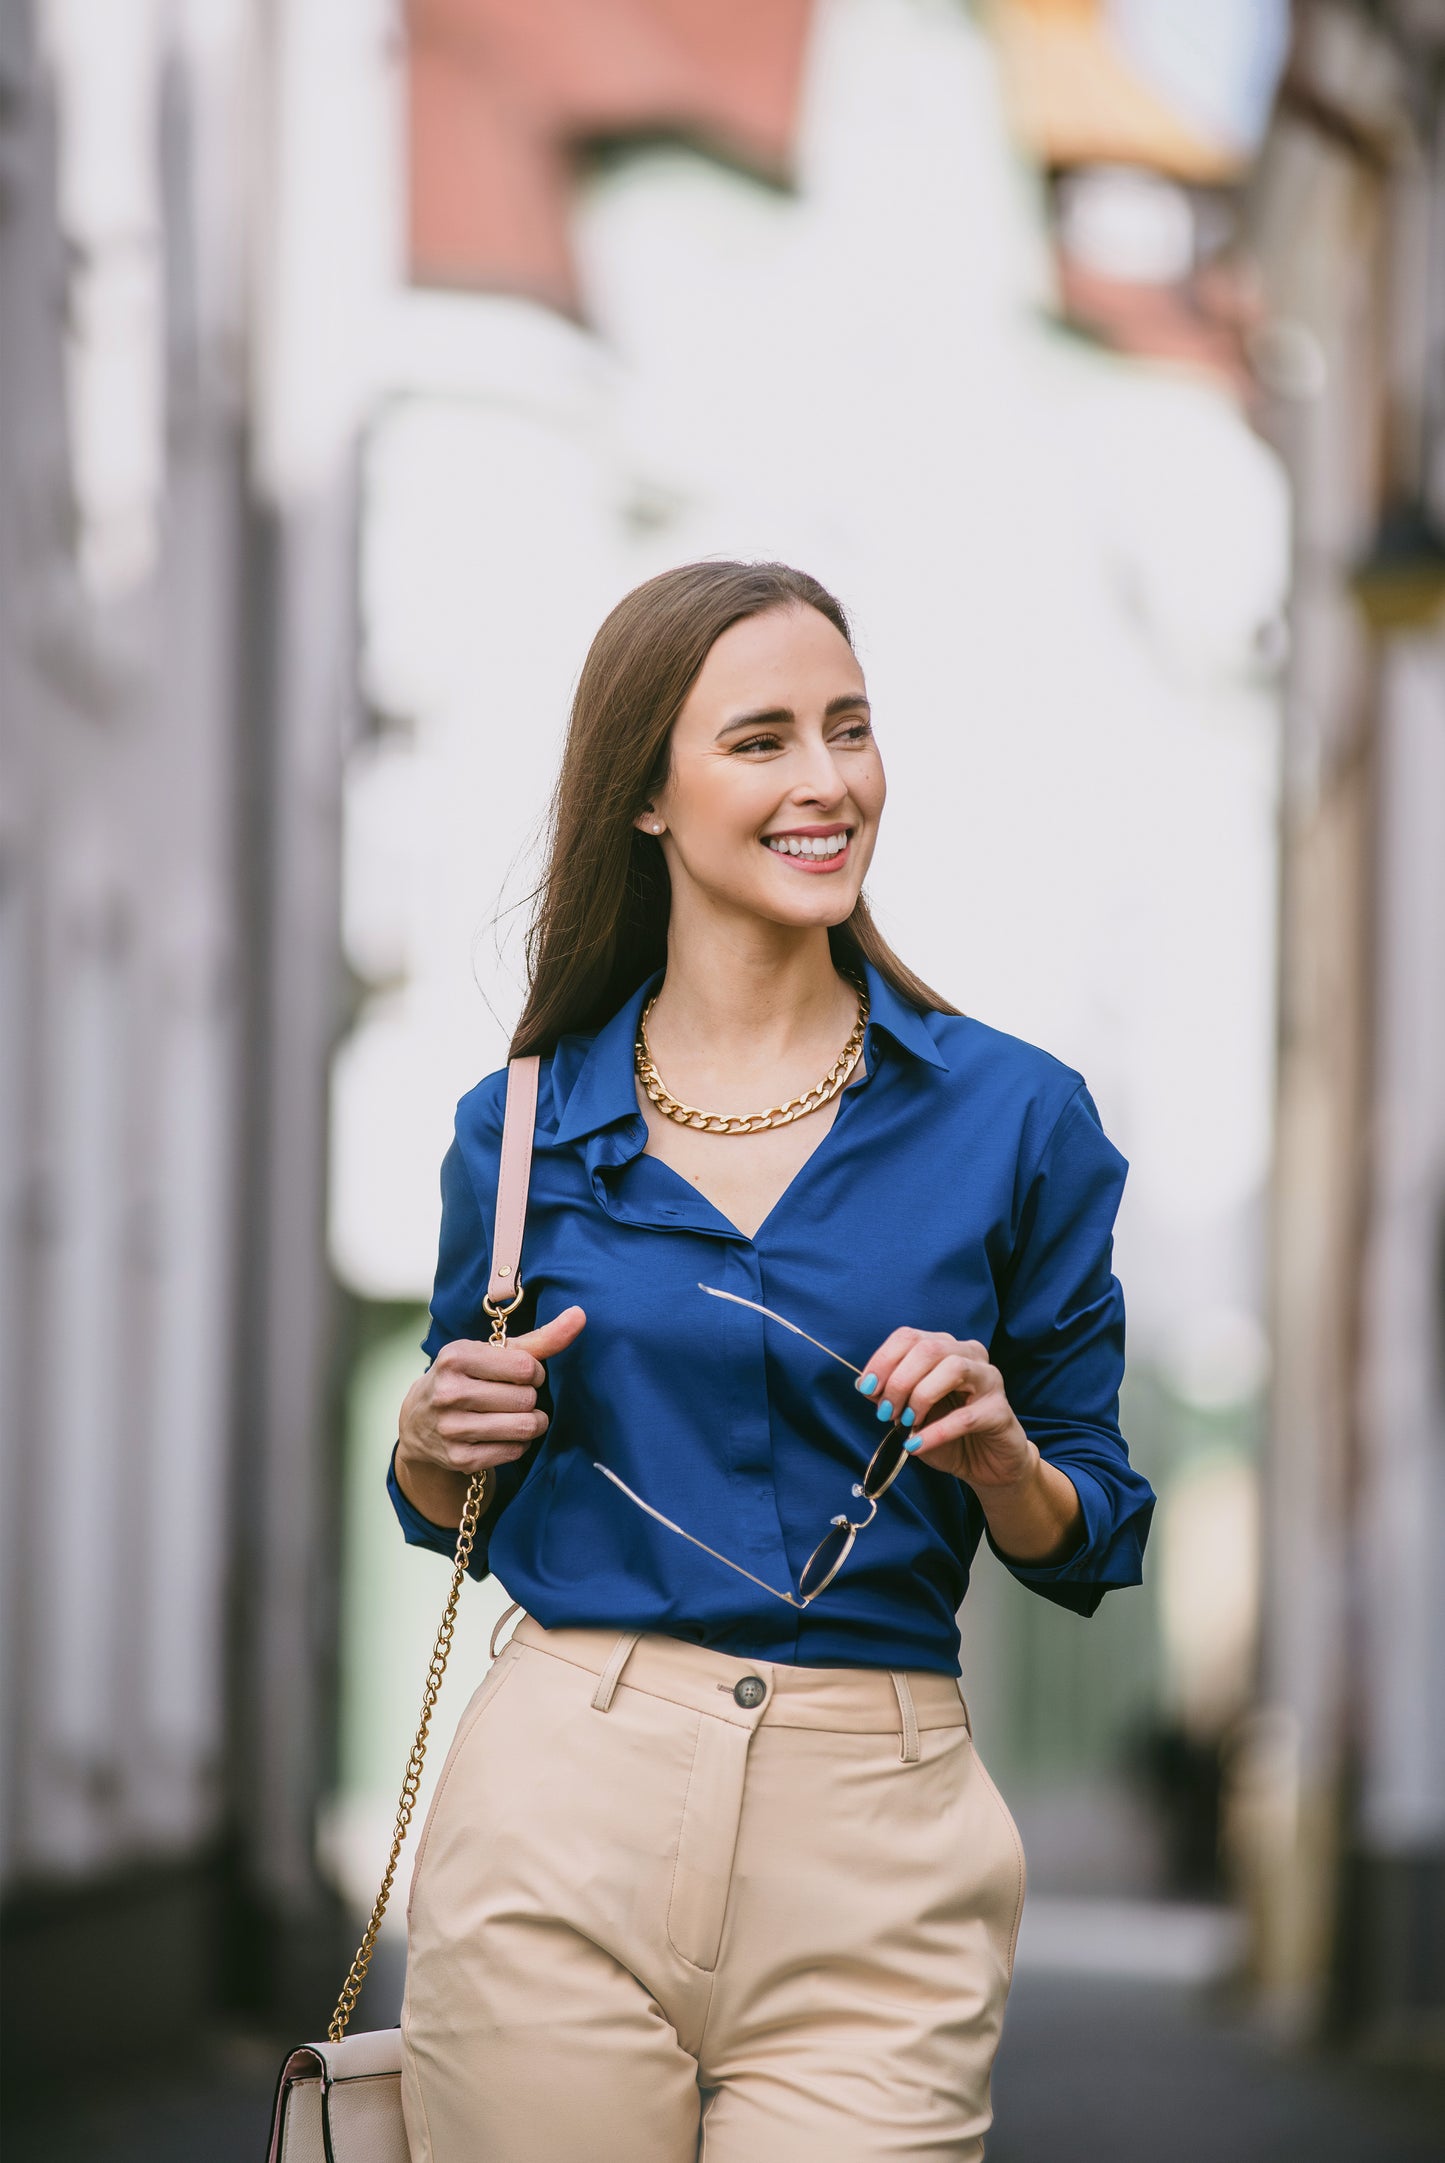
(791, 1598)
(782, 1320)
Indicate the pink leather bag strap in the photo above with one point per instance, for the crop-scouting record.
(513, 1178)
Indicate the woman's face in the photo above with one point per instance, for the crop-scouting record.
(776, 788)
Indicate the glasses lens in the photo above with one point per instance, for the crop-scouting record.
(887, 1462)
(823, 1565)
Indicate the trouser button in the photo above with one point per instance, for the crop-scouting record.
(750, 1691)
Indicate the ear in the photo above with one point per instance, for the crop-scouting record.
(648, 822)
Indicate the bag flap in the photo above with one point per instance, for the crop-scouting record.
(341, 2102)
(359, 2057)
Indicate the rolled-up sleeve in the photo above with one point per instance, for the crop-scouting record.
(1060, 1349)
(464, 1264)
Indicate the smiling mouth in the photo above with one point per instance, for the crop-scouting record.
(811, 852)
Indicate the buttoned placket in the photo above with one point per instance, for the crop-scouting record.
(644, 1192)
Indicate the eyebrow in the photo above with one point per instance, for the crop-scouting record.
(774, 716)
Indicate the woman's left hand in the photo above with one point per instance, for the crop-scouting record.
(962, 1420)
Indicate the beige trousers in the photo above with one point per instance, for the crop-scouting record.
(672, 1905)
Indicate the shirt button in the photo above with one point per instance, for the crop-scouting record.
(750, 1691)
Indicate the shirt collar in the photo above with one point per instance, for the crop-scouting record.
(889, 1010)
(604, 1090)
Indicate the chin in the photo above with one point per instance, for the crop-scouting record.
(806, 912)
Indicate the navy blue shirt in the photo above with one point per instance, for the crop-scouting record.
(965, 1185)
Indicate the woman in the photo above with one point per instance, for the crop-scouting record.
(713, 1867)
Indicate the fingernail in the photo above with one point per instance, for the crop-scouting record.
(868, 1383)
(912, 1443)
(885, 1410)
(907, 1420)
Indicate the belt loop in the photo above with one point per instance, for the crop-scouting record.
(967, 1721)
(908, 1749)
(611, 1674)
(501, 1623)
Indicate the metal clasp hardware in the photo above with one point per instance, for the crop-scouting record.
(499, 1313)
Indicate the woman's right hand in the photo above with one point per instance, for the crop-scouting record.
(475, 1406)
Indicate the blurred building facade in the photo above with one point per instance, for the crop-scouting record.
(176, 656)
(1338, 1787)
(121, 464)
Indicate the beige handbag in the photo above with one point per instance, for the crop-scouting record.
(340, 2101)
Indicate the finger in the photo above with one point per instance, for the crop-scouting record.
(967, 1379)
(519, 1425)
(900, 1393)
(873, 1381)
(555, 1335)
(473, 1457)
(956, 1423)
(456, 1391)
(511, 1436)
(924, 1442)
(482, 1361)
(898, 1384)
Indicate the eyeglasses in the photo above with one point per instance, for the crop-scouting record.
(833, 1550)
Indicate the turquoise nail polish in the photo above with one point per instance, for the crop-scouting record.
(913, 1442)
(868, 1383)
(885, 1410)
(907, 1420)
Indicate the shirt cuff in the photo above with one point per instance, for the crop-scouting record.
(1097, 1523)
(1068, 1582)
(419, 1531)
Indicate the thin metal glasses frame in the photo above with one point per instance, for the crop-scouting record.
(882, 1470)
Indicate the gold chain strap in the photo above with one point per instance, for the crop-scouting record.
(780, 1115)
(477, 1493)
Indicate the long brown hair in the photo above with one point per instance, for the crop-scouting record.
(600, 924)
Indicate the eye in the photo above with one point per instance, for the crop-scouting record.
(856, 733)
(763, 743)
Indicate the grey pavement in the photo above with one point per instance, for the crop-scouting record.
(1132, 2070)
(1091, 2070)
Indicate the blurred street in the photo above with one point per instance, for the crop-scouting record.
(1092, 2070)
(1134, 2071)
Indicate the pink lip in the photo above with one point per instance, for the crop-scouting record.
(807, 833)
(814, 863)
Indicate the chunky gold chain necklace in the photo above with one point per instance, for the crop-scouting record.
(781, 1115)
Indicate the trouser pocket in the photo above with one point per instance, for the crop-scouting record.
(486, 1690)
(1013, 1863)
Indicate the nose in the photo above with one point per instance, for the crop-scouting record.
(821, 781)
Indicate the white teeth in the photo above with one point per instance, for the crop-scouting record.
(808, 845)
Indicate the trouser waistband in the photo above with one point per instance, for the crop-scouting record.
(839, 1700)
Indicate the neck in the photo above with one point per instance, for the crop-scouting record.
(751, 1007)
